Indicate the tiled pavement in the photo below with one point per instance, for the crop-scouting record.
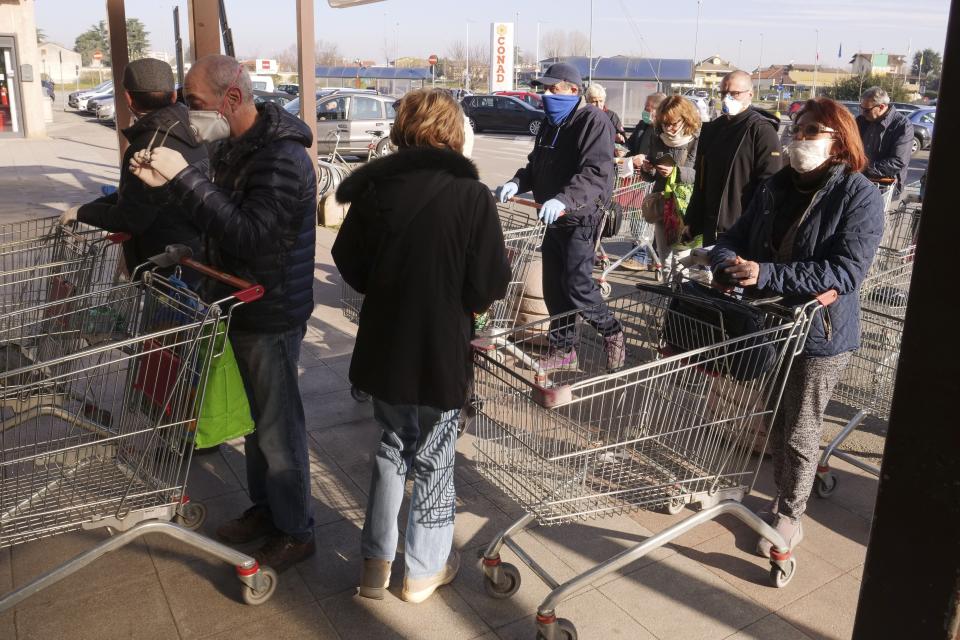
(707, 584)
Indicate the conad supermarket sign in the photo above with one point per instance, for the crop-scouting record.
(501, 56)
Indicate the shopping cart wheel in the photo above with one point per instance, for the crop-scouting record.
(565, 631)
(605, 289)
(358, 395)
(781, 576)
(259, 596)
(827, 485)
(191, 515)
(508, 585)
(675, 505)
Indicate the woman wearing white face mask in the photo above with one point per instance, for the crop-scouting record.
(814, 226)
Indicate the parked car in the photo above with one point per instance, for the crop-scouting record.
(279, 97)
(94, 102)
(78, 99)
(261, 83)
(697, 93)
(352, 114)
(502, 113)
(922, 120)
(106, 112)
(535, 100)
(48, 89)
(292, 89)
(702, 105)
(770, 97)
(853, 106)
(906, 106)
(795, 106)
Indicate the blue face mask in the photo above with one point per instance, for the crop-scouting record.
(559, 107)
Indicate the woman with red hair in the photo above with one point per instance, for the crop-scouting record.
(813, 226)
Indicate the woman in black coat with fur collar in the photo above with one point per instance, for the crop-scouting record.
(422, 241)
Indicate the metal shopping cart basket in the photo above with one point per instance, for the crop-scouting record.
(866, 384)
(42, 260)
(674, 427)
(102, 436)
(625, 200)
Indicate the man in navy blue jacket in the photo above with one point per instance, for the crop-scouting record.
(570, 171)
(887, 138)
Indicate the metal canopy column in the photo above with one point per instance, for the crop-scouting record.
(204, 19)
(117, 24)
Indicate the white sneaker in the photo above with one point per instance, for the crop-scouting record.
(417, 590)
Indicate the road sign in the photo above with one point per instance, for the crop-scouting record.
(98, 56)
(433, 59)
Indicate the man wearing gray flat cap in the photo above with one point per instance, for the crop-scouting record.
(150, 215)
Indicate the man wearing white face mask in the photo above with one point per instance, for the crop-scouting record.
(258, 216)
(737, 152)
(147, 214)
(812, 227)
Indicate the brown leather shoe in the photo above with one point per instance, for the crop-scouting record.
(280, 552)
(254, 524)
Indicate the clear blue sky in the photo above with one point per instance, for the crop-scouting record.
(262, 28)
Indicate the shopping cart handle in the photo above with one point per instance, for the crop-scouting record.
(119, 237)
(828, 297)
(526, 202)
(884, 180)
(183, 255)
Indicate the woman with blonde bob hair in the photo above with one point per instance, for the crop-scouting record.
(422, 242)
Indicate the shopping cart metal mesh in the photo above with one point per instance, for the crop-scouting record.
(581, 442)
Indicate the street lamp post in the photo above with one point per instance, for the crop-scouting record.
(516, 52)
(537, 61)
(590, 59)
(816, 64)
(739, 53)
(696, 39)
(466, 55)
(760, 65)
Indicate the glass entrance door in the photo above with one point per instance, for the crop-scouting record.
(11, 120)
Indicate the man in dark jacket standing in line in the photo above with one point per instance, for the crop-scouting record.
(258, 213)
(736, 152)
(570, 171)
(151, 216)
(887, 138)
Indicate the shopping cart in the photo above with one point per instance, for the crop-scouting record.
(42, 260)
(866, 384)
(102, 437)
(676, 426)
(628, 194)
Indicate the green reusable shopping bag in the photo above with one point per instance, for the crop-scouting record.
(225, 413)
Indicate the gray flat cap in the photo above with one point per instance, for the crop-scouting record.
(148, 74)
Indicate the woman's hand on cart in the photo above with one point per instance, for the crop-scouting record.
(738, 272)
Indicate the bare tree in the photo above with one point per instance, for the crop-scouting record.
(578, 44)
(288, 58)
(479, 63)
(328, 53)
(553, 43)
(455, 59)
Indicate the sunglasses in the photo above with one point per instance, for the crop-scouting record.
(808, 130)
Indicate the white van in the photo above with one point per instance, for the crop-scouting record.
(262, 83)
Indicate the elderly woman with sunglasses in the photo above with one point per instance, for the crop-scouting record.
(813, 226)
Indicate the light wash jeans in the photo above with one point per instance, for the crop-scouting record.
(422, 441)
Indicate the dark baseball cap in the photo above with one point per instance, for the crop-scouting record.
(560, 72)
(148, 74)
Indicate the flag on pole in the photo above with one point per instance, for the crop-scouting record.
(840, 51)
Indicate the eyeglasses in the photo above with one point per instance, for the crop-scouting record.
(865, 108)
(672, 125)
(733, 94)
(594, 101)
(808, 130)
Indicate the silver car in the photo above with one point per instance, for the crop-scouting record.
(352, 115)
(78, 99)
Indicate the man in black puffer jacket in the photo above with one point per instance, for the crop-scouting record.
(151, 216)
(258, 214)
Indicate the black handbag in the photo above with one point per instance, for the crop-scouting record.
(612, 219)
(699, 316)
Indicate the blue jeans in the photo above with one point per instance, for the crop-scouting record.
(278, 468)
(421, 440)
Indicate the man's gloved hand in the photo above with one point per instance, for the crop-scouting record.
(140, 166)
(69, 217)
(167, 162)
(551, 210)
(507, 191)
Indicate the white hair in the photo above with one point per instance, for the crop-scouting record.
(875, 95)
(596, 91)
(223, 72)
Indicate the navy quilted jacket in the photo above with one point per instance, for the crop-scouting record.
(835, 246)
(258, 215)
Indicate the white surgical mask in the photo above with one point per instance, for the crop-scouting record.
(807, 155)
(209, 126)
(676, 139)
(732, 106)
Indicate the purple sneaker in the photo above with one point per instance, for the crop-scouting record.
(558, 359)
(616, 351)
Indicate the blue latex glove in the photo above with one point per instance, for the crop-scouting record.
(507, 191)
(551, 210)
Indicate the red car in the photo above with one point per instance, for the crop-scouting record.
(532, 99)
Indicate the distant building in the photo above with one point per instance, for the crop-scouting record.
(797, 80)
(880, 64)
(59, 63)
(21, 96)
(710, 72)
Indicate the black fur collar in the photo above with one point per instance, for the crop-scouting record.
(405, 161)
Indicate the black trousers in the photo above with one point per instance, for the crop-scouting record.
(568, 284)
